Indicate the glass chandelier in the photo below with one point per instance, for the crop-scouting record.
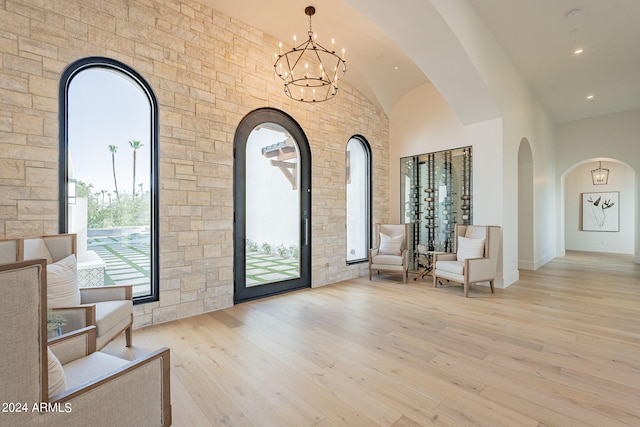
(600, 176)
(310, 71)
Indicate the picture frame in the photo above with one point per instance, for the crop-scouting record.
(601, 211)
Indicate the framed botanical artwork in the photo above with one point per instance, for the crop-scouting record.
(601, 211)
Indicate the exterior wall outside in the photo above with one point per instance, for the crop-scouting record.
(207, 71)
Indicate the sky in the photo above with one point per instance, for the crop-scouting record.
(107, 108)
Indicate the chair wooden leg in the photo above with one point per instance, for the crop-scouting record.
(127, 335)
(491, 285)
(466, 290)
(435, 281)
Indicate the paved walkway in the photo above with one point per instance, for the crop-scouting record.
(127, 258)
(266, 268)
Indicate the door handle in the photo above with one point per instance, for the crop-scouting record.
(306, 231)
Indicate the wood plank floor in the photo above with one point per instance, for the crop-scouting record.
(559, 348)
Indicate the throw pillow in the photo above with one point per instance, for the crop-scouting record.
(57, 382)
(470, 248)
(390, 245)
(62, 283)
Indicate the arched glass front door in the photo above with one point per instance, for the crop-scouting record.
(272, 191)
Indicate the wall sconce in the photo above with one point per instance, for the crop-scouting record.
(600, 176)
(71, 191)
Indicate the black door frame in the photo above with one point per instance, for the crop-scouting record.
(246, 126)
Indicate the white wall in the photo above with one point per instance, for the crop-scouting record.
(496, 182)
(523, 117)
(578, 181)
(423, 122)
(615, 136)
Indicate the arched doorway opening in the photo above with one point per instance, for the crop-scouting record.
(620, 192)
(526, 243)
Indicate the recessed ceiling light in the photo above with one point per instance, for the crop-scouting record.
(590, 97)
(578, 51)
(396, 67)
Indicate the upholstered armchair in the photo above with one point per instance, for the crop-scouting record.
(475, 257)
(64, 381)
(390, 251)
(109, 308)
(9, 251)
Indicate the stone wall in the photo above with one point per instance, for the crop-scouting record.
(208, 71)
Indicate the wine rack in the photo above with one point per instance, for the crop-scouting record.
(436, 194)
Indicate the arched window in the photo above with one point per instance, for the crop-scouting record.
(358, 193)
(109, 174)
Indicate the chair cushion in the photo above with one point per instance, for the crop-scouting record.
(469, 248)
(36, 248)
(387, 260)
(456, 267)
(110, 313)
(390, 245)
(57, 382)
(90, 367)
(62, 283)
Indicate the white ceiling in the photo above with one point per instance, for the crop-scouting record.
(537, 35)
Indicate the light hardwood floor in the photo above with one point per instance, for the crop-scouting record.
(559, 348)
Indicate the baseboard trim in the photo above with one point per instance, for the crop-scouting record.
(528, 265)
(542, 261)
(510, 279)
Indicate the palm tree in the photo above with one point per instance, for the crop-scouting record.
(113, 149)
(135, 145)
